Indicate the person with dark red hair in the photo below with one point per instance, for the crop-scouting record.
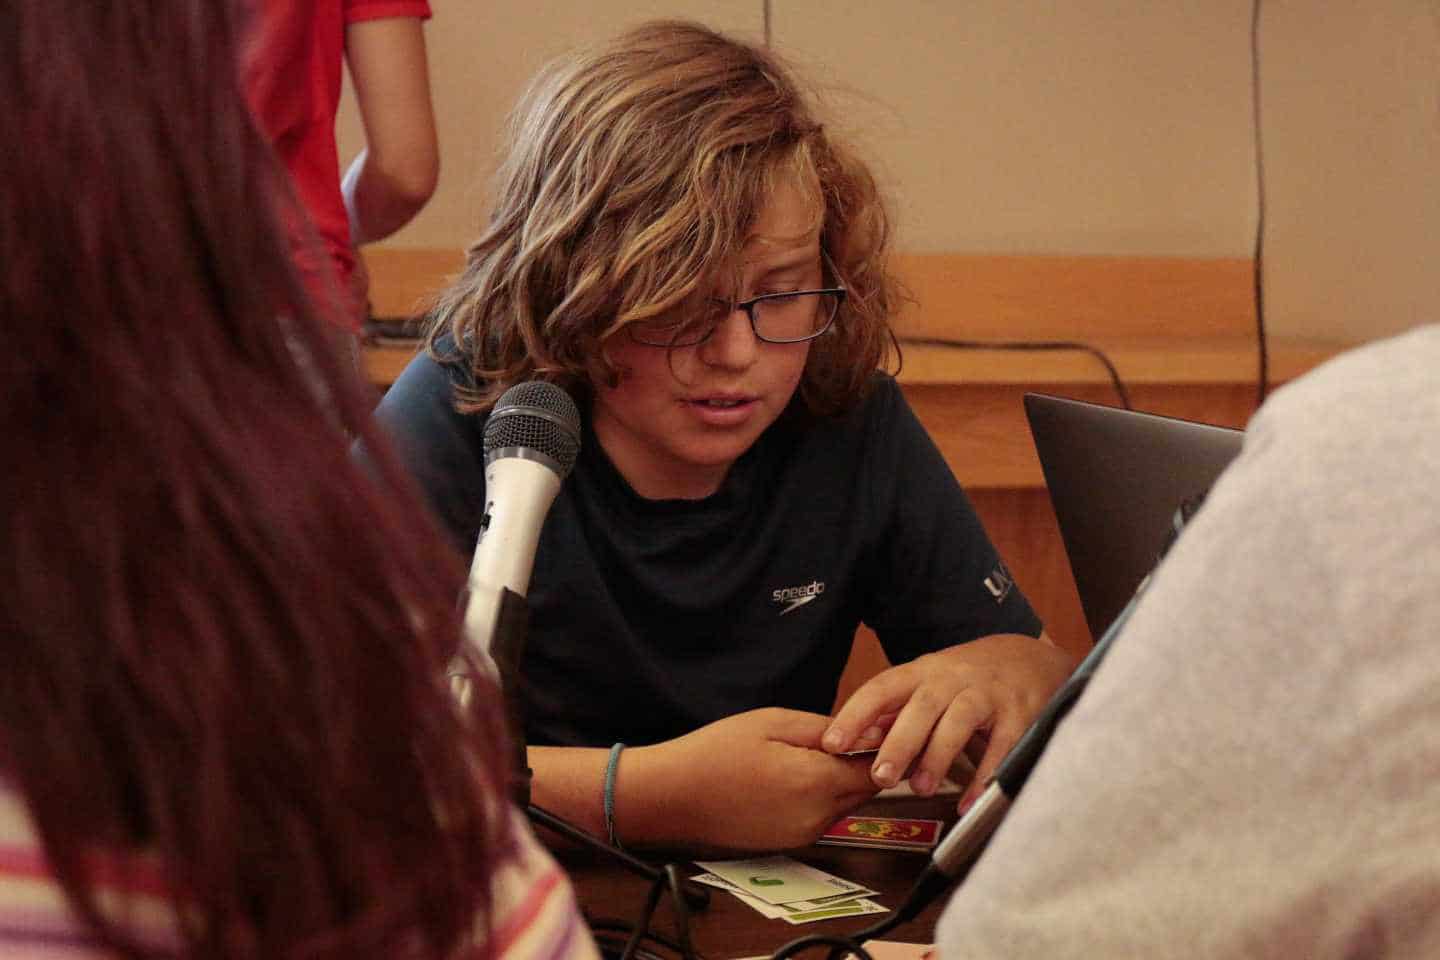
(225, 729)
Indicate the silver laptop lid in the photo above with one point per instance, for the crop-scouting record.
(1116, 478)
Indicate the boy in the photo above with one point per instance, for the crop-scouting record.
(680, 243)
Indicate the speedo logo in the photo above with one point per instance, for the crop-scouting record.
(792, 598)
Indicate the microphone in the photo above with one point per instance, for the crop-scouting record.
(531, 442)
(961, 848)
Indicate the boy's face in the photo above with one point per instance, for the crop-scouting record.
(679, 418)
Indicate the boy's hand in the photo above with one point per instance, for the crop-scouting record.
(754, 781)
(990, 688)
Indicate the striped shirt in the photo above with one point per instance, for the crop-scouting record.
(533, 913)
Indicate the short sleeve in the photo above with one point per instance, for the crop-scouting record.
(441, 448)
(935, 579)
(358, 10)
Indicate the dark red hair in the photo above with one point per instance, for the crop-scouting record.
(224, 639)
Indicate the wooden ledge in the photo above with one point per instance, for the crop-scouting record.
(1138, 360)
(982, 296)
(383, 362)
(1161, 320)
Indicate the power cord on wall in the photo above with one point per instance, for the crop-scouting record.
(1258, 261)
(1023, 345)
(1262, 378)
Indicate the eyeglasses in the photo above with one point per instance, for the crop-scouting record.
(790, 317)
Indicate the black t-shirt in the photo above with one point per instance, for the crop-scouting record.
(650, 618)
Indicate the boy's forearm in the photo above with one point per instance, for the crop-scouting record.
(570, 783)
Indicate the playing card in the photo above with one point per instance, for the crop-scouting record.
(801, 911)
(852, 908)
(772, 911)
(780, 879)
(859, 753)
(891, 833)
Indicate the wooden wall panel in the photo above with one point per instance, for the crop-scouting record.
(993, 296)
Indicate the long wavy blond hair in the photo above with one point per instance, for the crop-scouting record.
(634, 173)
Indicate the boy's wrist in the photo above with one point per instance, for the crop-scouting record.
(642, 812)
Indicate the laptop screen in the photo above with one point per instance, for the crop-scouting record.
(1116, 478)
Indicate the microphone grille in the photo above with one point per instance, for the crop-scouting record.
(537, 418)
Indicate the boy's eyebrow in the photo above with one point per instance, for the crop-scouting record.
(791, 258)
(803, 257)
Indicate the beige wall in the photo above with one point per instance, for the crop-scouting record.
(1033, 126)
(482, 53)
(1065, 126)
(1352, 142)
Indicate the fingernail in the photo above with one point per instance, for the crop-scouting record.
(884, 774)
(872, 735)
(834, 737)
(923, 784)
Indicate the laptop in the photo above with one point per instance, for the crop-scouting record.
(1116, 478)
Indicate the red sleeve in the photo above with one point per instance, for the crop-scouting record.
(357, 10)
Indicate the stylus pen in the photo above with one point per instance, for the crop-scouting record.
(962, 846)
(965, 842)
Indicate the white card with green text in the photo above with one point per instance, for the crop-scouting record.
(780, 879)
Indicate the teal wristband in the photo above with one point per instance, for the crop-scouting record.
(609, 800)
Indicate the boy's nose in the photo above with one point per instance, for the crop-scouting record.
(733, 344)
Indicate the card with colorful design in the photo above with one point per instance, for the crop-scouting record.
(852, 908)
(887, 833)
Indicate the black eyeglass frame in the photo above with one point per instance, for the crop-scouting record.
(839, 293)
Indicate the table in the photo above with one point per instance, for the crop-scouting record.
(729, 928)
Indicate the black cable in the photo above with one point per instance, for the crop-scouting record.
(766, 12)
(1258, 261)
(962, 846)
(696, 896)
(1094, 351)
(642, 928)
(606, 932)
(682, 911)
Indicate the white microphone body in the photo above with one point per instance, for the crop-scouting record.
(531, 441)
(518, 495)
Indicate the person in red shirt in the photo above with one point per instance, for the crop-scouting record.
(292, 79)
